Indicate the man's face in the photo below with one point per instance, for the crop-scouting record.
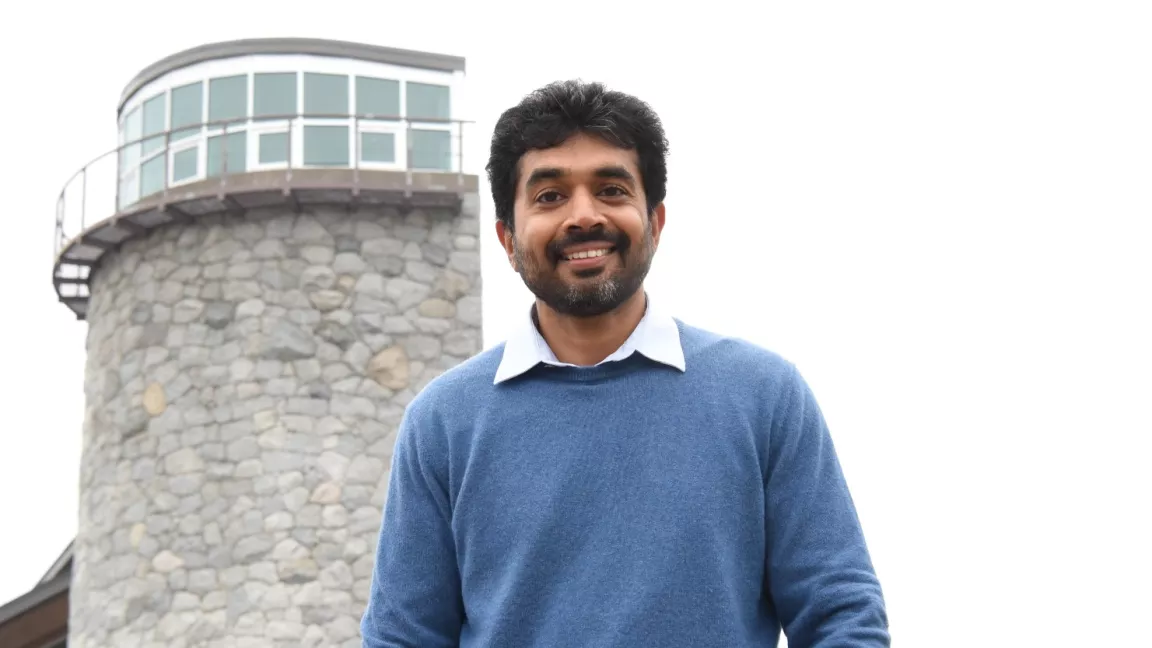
(582, 238)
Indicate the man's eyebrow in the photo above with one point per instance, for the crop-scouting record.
(615, 172)
(552, 173)
(545, 173)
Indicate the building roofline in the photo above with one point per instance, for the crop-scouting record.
(312, 46)
(34, 597)
(61, 563)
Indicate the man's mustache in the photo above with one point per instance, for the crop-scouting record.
(618, 240)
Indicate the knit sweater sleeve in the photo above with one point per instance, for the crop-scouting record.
(818, 568)
(414, 598)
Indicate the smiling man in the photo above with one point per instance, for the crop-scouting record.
(611, 477)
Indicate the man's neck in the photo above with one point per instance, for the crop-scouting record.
(586, 341)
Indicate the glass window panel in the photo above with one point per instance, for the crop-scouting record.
(129, 189)
(152, 175)
(431, 149)
(237, 153)
(274, 94)
(426, 101)
(273, 148)
(378, 147)
(154, 118)
(326, 145)
(187, 108)
(130, 154)
(228, 98)
(133, 125)
(377, 97)
(325, 94)
(184, 164)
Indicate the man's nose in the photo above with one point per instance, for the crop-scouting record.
(584, 214)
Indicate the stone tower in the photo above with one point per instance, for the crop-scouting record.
(280, 254)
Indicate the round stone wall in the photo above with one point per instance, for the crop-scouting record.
(245, 378)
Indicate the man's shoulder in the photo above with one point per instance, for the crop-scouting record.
(734, 356)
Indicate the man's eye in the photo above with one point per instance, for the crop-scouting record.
(614, 192)
(549, 196)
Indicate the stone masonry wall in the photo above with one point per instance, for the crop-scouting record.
(245, 378)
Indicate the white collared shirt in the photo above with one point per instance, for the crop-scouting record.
(656, 336)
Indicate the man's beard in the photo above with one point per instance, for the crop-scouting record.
(594, 295)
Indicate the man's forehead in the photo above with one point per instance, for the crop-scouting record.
(579, 155)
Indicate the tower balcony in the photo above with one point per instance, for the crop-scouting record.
(228, 166)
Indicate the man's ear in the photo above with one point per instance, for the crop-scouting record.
(504, 233)
(657, 219)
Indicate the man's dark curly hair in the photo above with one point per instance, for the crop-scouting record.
(550, 115)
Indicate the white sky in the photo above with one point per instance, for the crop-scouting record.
(941, 214)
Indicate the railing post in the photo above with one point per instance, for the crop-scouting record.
(84, 198)
(223, 156)
(119, 170)
(408, 157)
(460, 153)
(291, 137)
(169, 164)
(59, 235)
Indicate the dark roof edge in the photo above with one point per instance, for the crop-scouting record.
(34, 597)
(60, 563)
(313, 46)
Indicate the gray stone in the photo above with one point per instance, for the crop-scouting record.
(465, 261)
(186, 484)
(436, 307)
(250, 308)
(431, 325)
(287, 342)
(334, 515)
(183, 461)
(240, 290)
(317, 254)
(412, 233)
(141, 313)
(301, 570)
(365, 470)
(469, 310)
(337, 576)
(334, 464)
(270, 249)
(422, 347)
(382, 247)
(309, 230)
(166, 562)
(405, 293)
(349, 263)
(317, 278)
(462, 343)
(327, 300)
(251, 547)
(451, 285)
(435, 254)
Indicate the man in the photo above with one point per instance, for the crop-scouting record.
(609, 476)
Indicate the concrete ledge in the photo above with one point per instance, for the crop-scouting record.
(294, 188)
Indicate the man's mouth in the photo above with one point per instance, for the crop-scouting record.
(588, 254)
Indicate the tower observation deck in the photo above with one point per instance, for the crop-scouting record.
(276, 258)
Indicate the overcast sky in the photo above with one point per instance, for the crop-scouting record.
(942, 215)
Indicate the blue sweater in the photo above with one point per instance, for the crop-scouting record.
(624, 505)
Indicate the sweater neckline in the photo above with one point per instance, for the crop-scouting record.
(594, 374)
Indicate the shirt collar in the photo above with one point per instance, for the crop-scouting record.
(657, 337)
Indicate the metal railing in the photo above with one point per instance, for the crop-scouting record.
(159, 164)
